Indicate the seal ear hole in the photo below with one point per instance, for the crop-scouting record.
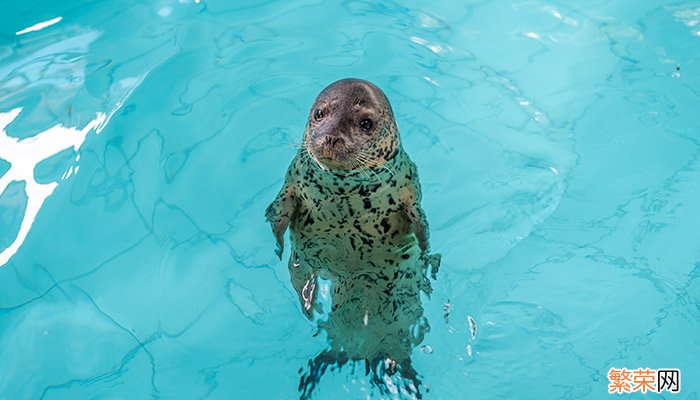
(366, 125)
(319, 114)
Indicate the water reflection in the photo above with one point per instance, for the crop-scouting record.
(39, 26)
(56, 87)
(375, 321)
(23, 157)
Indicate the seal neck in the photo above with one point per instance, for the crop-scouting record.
(380, 172)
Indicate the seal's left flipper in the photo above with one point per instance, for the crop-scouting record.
(435, 260)
(278, 214)
(410, 196)
(410, 202)
(419, 223)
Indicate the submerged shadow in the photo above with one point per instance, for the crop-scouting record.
(374, 322)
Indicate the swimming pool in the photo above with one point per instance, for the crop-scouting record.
(558, 148)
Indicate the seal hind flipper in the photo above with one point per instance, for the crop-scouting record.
(279, 213)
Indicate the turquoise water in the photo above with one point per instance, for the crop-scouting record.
(559, 152)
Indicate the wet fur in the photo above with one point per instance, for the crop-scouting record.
(357, 222)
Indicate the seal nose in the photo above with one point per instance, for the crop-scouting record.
(329, 135)
(333, 141)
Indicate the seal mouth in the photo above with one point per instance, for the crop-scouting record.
(329, 159)
(353, 167)
(332, 158)
(326, 154)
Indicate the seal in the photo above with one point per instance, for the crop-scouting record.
(351, 199)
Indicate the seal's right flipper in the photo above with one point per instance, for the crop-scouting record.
(279, 213)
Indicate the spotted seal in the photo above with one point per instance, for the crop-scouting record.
(351, 199)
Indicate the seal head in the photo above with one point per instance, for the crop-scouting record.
(351, 126)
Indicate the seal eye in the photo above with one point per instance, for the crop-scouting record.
(366, 124)
(318, 114)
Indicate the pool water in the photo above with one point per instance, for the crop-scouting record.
(559, 154)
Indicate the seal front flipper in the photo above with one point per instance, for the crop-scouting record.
(410, 201)
(410, 204)
(419, 223)
(279, 213)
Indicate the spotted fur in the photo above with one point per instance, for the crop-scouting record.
(364, 231)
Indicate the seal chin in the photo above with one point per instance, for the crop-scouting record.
(330, 160)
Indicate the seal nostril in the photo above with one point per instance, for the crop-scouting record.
(331, 141)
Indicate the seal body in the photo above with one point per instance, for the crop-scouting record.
(355, 232)
(351, 200)
(353, 223)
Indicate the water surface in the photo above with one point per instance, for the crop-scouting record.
(141, 141)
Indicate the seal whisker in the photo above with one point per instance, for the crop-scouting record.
(301, 144)
(367, 163)
(366, 173)
(384, 167)
(362, 161)
(373, 173)
(387, 169)
(356, 165)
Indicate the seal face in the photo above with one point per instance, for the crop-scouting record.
(351, 126)
(351, 199)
